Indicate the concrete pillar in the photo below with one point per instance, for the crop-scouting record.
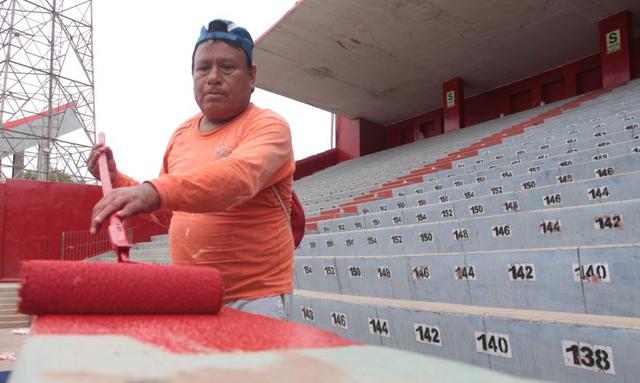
(616, 37)
(359, 137)
(17, 170)
(536, 95)
(453, 104)
(570, 82)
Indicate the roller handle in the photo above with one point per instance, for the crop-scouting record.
(117, 233)
(103, 167)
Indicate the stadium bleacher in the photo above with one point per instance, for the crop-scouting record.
(521, 258)
(479, 204)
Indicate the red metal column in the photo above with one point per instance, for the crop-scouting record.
(615, 49)
(453, 104)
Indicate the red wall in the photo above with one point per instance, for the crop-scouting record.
(636, 58)
(433, 120)
(520, 101)
(553, 91)
(372, 137)
(33, 215)
(569, 80)
(315, 163)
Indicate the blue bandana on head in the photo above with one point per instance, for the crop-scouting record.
(228, 31)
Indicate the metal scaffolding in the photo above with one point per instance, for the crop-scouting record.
(46, 74)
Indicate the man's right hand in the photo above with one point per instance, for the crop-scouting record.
(92, 162)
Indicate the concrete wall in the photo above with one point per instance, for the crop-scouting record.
(33, 215)
(315, 163)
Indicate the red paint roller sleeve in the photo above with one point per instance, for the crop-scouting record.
(57, 287)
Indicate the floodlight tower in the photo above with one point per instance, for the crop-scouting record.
(46, 75)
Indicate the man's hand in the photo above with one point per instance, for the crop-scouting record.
(125, 202)
(92, 162)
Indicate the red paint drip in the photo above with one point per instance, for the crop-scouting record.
(229, 330)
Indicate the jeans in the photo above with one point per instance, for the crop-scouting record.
(275, 307)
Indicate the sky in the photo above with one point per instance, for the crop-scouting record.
(143, 84)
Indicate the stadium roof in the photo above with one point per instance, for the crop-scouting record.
(20, 134)
(386, 60)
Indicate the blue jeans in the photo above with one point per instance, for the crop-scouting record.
(277, 306)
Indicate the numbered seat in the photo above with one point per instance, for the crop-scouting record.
(555, 346)
(526, 279)
(355, 222)
(345, 319)
(308, 246)
(440, 278)
(382, 277)
(383, 219)
(482, 206)
(440, 334)
(432, 238)
(609, 277)
(440, 212)
(381, 241)
(431, 197)
(317, 274)
(326, 226)
(573, 226)
(566, 350)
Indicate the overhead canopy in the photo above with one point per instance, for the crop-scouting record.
(21, 134)
(386, 60)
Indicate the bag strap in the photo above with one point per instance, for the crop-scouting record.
(284, 209)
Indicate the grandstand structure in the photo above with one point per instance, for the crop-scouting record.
(522, 258)
(532, 242)
(481, 204)
(47, 112)
(511, 241)
(507, 238)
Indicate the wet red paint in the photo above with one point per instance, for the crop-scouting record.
(229, 330)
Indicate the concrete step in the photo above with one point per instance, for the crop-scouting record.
(163, 237)
(545, 334)
(7, 311)
(145, 251)
(150, 245)
(160, 260)
(14, 320)
(164, 252)
(8, 294)
(9, 286)
(14, 323)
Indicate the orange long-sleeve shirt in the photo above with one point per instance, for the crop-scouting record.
(225, 214)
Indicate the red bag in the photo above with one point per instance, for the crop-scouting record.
(297, 219)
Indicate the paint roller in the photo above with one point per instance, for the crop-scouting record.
(125, 287)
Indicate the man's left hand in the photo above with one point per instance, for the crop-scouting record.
(125, 202)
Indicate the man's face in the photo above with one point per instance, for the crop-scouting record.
(222, 81)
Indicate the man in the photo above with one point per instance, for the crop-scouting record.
(215, 187)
